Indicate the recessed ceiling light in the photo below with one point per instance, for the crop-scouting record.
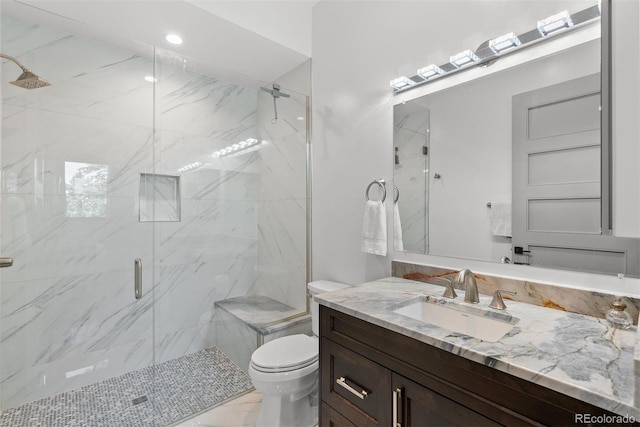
(150, 79)
(173, 38)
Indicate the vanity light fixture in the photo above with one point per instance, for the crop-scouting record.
(401, 83)
(504, 43)
(173, 39)
(464, 58)
(430, 72)
(554, 23)
(491, 50)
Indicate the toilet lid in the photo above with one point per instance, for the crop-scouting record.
(285, 354)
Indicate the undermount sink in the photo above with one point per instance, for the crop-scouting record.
(487, 325)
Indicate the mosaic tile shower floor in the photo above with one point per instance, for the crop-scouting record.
(175, 390)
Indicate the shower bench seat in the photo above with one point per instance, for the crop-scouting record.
(244, 323)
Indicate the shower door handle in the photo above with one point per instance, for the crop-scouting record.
(6, 262)
(137, 278)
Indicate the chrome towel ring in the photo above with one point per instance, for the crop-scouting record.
(380, 182)
(395, 199)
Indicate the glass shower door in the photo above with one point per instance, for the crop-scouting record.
(73, 158)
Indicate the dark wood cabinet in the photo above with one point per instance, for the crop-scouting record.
(419, 406)
(331, 418)
(355, 386)
(372, 376)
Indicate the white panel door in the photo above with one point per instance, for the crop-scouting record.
(557, 182)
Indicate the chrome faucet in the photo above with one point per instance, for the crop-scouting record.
(465, 278)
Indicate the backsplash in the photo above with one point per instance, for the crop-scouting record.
(572, 300)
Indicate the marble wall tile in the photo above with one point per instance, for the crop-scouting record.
(282, 215)
(194, 104)
(238, 182)
(92, 84)
(581, 301)
(303, 327)
(235, 338)
(34, 157)
(289, 110)
(37, 381)
(159, 197)
(283, 168)
(411, 117)
(282, 230)
(185, 294)
(414, 226)
(36, 231)
(409, 137)
(90, 312)
(184, 341)
(283, 282)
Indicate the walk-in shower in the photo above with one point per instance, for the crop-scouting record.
(26, 80)
(95, 176)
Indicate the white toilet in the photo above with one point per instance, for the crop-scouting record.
(285, 371)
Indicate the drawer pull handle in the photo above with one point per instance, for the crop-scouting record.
(342, 381)
(397, 395)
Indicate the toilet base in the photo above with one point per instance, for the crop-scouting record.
(281, 411)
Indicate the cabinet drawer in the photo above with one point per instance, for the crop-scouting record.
(353, 385)
(331, 418)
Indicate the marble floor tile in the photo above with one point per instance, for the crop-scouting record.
(240, 412)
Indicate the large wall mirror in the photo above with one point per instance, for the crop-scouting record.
(514, 166)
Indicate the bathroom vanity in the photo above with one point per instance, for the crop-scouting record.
(379, 367)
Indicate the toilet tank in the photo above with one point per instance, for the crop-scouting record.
(319, 287)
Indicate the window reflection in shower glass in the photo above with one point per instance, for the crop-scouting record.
(86, 189)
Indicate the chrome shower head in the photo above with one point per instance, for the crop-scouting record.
(27, 79)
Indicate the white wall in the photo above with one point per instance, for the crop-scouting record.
(357, 48)
(626, 117)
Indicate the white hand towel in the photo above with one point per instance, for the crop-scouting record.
(397, 229)
(501, 219)
(374, 228)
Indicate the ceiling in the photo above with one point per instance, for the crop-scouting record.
(250, 42)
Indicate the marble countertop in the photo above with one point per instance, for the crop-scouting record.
(579, 356)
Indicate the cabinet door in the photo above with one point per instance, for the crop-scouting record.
(331, 418)
(355, 386)
(419, 406)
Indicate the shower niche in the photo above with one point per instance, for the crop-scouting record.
(159, 198)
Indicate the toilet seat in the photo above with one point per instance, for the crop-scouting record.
(286, 354)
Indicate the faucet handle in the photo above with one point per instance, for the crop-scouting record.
(497, 302)
(449, 292)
